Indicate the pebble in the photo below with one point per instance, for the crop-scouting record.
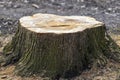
(82, 0)
(26, 1)
(2, 2)
(78, 0)
(52, 0)
(62, 4)
(110, 9)
(1, 5)
(16, 6)
(83, 6)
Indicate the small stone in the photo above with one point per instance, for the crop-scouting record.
(83, 6)
(106, 13)
(52, 0)
(82, 0)
(2, 2)
(110, 9)
(26, 1)
(62, 4)
(94, 8)
(16, 6)
(10, 2)
(1, 5)
(78, 0)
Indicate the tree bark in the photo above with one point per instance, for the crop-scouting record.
(58, 46)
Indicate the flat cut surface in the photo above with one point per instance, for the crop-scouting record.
(49, 23)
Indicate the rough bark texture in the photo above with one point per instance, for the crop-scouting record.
(58, 55)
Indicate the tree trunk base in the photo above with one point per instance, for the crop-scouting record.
(59, 49)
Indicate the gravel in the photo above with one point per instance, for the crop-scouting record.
(107, 11)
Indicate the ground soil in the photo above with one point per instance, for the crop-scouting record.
(107, 11)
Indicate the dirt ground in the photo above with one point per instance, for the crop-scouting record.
(107, 11)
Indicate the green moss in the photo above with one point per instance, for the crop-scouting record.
(7, 49)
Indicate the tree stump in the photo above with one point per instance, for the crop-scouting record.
(57, 46)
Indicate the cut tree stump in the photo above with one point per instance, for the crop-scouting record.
(58, 46)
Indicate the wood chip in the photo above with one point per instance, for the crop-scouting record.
(4, 76)
(35, 5)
